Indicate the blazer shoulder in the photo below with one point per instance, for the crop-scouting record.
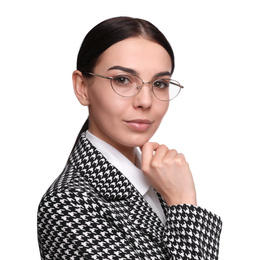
(70, 182)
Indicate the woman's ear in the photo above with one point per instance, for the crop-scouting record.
(80, 87)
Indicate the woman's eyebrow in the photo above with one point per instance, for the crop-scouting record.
(131, 71)
(128, 70)
(161, 74)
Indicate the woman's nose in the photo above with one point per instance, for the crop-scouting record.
(144, 97)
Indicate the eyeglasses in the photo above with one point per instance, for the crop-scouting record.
(128, 85)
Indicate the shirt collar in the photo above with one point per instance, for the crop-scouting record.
(124, 165)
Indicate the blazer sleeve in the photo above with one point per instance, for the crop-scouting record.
(192, 233)
(71, 226)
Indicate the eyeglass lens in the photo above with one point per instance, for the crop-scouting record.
(129, 85)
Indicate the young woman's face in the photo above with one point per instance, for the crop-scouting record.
(127, 122)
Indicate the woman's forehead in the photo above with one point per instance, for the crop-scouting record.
(137, 54)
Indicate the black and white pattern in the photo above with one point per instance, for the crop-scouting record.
(92, 211)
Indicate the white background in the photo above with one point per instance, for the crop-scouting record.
(211, 121)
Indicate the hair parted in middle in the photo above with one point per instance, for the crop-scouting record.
(114, 30)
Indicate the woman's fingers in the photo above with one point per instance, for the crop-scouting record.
(148, 150)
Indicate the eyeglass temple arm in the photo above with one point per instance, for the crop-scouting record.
(176, 84)
(93, 74)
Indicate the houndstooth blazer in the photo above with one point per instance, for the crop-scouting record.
(92, 211)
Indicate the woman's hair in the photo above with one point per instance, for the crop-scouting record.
(111, 31)
(114, 30)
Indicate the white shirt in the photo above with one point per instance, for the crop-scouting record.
(131, 171)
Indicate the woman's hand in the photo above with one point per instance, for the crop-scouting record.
(169, 173)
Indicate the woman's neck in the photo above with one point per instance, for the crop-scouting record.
(128, 152)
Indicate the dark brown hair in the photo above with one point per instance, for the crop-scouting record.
(114, 30)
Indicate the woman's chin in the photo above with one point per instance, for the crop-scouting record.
(139, 142)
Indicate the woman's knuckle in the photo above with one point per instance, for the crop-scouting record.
(163, 146)
(168, 161)
(180, 159)
(173, 151)
(155, 164)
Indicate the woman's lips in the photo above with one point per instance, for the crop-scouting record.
(139, 124)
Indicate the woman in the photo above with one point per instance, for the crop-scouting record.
(111, 201)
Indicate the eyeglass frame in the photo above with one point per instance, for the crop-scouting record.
(174, 82)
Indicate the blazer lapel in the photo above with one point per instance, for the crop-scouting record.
(144, 218)
(121, 202)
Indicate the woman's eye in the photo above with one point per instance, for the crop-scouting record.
(161, 84)
(122, 80)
